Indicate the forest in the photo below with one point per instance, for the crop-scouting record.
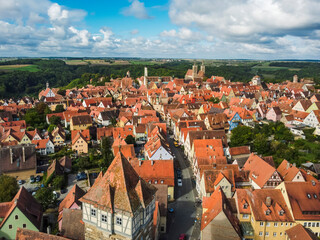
(17, 83)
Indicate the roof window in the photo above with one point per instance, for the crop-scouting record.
(309, 195)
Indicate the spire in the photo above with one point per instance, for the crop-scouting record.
(145, 80)
(47, 85)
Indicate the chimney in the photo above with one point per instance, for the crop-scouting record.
(268, 201)
(152, 162)
(23, 155)
(294, 164)
(140, 162)
(313, 183)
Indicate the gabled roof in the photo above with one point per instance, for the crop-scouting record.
(299, 232)
(26, 203)
(304, 197)
(120, 188)
(260, 170)
(160, 170)
(41, 144)
(72, 197)
(26, 234)
(287, 171)
(215, 204)
(267, 205)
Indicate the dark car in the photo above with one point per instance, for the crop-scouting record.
(38, 178)
(64, 190)
(32, 179)
(81, 176)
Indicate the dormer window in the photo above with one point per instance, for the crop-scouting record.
(268, 212)
(315, 196)
(309, 195)
(245, 206)
(281, 212)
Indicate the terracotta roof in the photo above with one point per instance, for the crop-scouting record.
(157, 170)
(26, 234)
(72, 225)
(41, 144)
(55, 167)
(287, 171)
(299, 232)
(85, 134)
(79, 135)
(269, 205)
(215, 204)
(304, 198)
(239, 150)
(260, 170)
(120, 188)
(127, 150)
(104, 132)
(72, 197)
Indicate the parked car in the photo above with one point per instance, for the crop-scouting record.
(182, 236)
(38, 178)
(81, 176)
(179, 182)
(20, 182)
(32, 179)
(55, 194)
(64, 190)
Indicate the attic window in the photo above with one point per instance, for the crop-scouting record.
(315, 196)
(281, 212)
(309, 195)
(245, 206)
(268, 212)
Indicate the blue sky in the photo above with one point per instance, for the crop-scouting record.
(212, 29)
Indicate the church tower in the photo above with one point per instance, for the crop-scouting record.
(145, 80)
(194, 71)
(203, 68)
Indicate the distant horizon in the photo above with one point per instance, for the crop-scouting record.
(167, 58)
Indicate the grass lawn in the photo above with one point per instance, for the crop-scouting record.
(22, 67)
(265, 67)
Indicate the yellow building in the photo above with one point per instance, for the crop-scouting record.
(303, 200)
(266, 211)
(80, 122)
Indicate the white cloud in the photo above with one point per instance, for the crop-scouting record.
(183, 34)
(246, 18)
(137, 10)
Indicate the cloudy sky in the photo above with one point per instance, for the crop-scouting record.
(213, 29)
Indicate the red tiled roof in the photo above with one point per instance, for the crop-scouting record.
(161, 170)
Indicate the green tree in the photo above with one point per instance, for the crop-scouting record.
(8, 188)
(261, 144)
(51, 128)
(55, 120)
(58, 182)
(59, 108)
(130, 139)
(45, 197)
(240, 136)
(214, 100)
(107, 155)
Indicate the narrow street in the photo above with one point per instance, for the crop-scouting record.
(183, 220)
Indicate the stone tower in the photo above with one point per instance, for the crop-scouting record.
(203, 68)
(145, 80)
(295, 78)
(194, 70)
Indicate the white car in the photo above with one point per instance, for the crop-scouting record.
(179, 182)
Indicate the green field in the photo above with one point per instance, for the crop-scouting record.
(22, 67)
(137, 62)
(265, 67)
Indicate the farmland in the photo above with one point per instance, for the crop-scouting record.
(20, 67)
